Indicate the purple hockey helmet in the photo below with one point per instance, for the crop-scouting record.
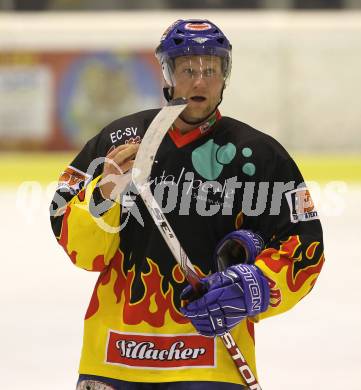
(193, 37)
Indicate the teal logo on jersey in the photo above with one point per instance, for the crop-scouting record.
(248, 168)
(209, 159)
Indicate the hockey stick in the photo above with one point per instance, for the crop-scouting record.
(140, 175)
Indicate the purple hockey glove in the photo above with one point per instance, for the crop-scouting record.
(240, 246)
(238, 292)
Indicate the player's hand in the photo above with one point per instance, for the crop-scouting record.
(116, 172)
(238, 292)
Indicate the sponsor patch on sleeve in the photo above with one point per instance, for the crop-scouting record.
(301, 205)
(73, 180)
(160, 351)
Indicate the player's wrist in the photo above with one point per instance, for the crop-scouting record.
(99, 205)
(105, 190)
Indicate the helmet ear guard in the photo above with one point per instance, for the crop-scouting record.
(168, 73)
(168, 87)
(226, 67)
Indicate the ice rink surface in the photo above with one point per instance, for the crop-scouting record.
(316, 345)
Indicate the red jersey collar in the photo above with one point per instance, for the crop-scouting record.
(184, 139)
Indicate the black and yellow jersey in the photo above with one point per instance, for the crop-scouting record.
(220, 177)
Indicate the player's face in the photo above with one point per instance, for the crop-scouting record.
(200, 80)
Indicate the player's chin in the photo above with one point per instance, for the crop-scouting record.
(194, 117)
(198, 112)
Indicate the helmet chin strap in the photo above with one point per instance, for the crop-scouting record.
(168, 94)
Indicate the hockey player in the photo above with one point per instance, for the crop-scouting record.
(219, 181)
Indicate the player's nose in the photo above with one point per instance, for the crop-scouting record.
(199, 82)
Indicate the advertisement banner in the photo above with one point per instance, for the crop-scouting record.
(58, 100)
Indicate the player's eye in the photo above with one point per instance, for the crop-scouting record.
(188, 71)
(209, 72)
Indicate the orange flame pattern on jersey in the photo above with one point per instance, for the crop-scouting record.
(288, 255)
(135, 313)
(154, 304)
(275, 293)
(250, 328)
(98, 263)
(63, 239)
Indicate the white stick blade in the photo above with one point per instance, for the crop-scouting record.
(153, 138)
